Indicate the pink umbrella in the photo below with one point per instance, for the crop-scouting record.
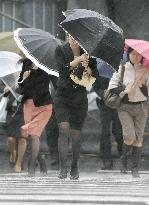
(142, 47)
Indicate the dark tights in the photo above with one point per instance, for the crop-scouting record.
(35, 150)
(64, 133)
(75, 134)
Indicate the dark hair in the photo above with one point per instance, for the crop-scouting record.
(129, 51)
(27, 63)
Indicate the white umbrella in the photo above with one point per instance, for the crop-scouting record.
(11, 81)
(10, 69)
(9, 63)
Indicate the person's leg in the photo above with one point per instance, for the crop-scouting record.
(27, 113)
(117, 131)
(11, 142)
(64, 133)
(42, 163)
(141, 115)
(125, 150)
(136, 156)
(75, 135)
(21, 152)
(129, 136)
(105, 140)
(52, 132)
(34, 155)
(38, 118)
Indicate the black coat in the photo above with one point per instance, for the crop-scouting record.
(36, 86)
(67, 90)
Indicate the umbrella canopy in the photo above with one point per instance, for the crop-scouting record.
(7, 43)
(10, 69)
(98, 35)
(104, 69)
(11, 81)
(39, 46)
(9, 63)
(142, 47)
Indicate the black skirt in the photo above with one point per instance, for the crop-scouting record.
(65, 112)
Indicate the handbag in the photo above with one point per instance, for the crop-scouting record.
(3, 111)
(111, 98)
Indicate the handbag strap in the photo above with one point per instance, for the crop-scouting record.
(122, 74)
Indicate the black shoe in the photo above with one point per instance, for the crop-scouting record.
(135, 174)
(107, 165)
(31, 171)
(124, 170)
(42, 163)
(123, 166)
(62, 174)
(74, 173)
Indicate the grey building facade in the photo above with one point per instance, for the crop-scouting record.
(42, 14)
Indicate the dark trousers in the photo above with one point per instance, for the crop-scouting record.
(109, 116)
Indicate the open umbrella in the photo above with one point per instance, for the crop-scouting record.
(39, 46)
(10, 69)
(141, 46)
(96, 34)
(104, 69)
(7, 43)
(9, 63)
(11, 81)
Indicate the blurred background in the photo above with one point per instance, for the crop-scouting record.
(132, 15)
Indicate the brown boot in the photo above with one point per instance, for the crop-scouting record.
(125, 149)
(136, 155)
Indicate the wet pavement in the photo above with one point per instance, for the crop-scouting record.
(93, 187)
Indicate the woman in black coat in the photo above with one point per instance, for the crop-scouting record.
(71, 102)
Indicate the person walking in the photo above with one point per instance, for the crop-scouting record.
(37, 102)
(70, 102)
(108, 117)
(133, 111)
(52, 132)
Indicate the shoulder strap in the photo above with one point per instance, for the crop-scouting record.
(122, 73)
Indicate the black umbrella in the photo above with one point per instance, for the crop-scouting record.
(96, 34)
(39, 46)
